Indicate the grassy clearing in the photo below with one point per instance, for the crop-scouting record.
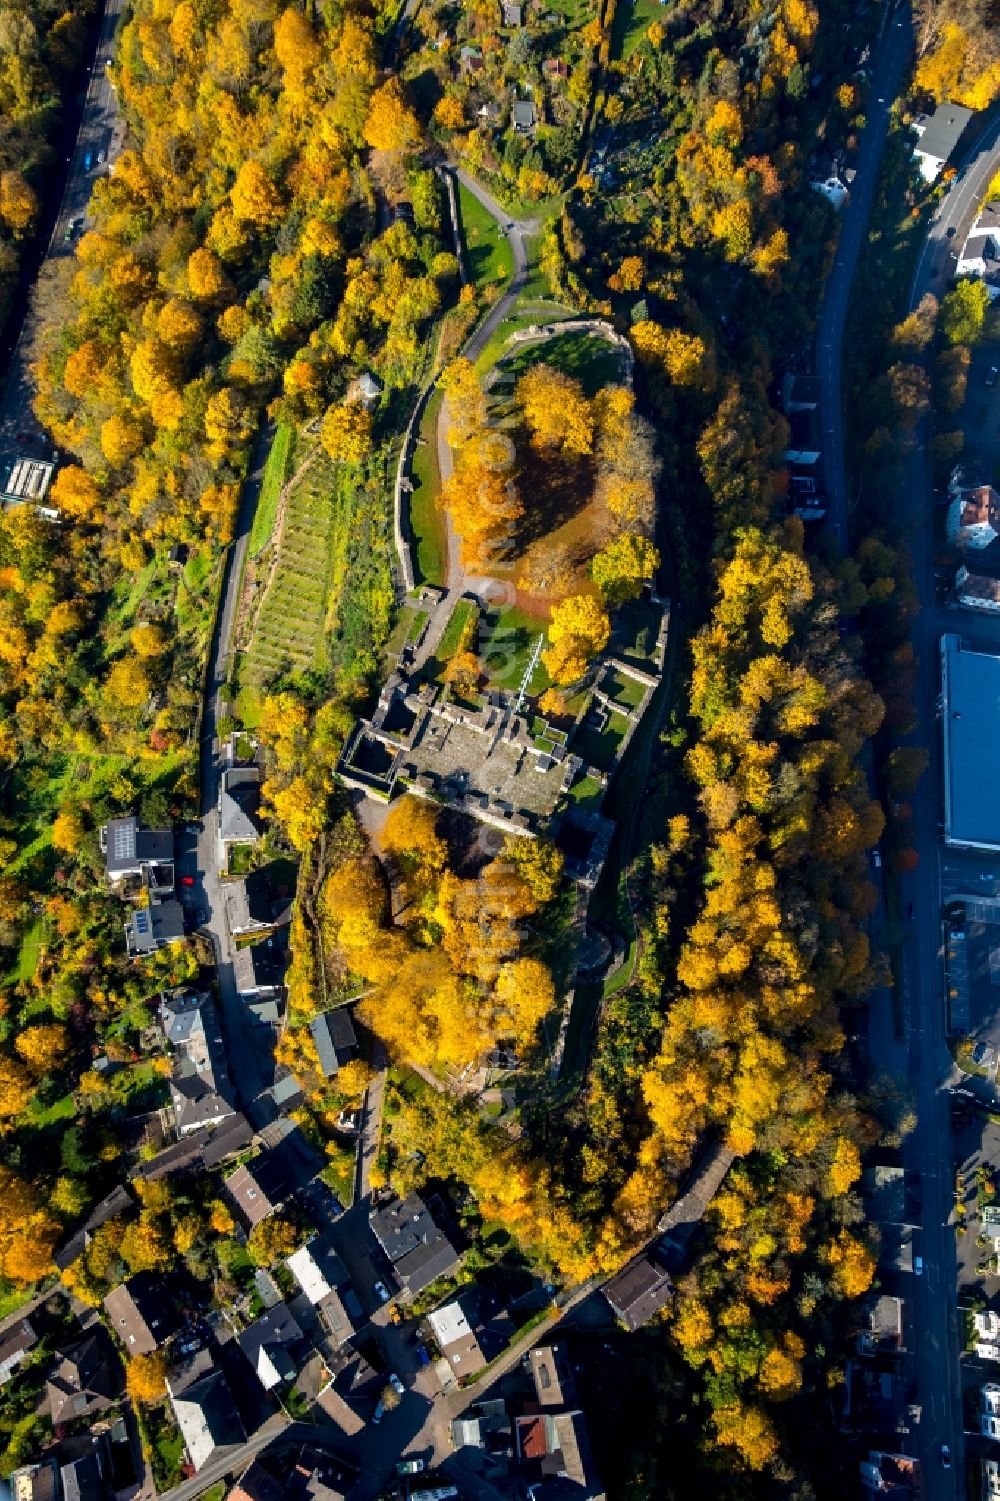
(586, 792)
(459, 627)
(623, 690)
(275, 474)
(527, 311)
(427, 523)
(27, 957)
(599, 747)
(507, 649)
(589, 359)
(487, 251)
(633, 19)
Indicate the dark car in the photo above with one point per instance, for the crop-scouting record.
(991, 376)
(946, 1456)
(24, 437)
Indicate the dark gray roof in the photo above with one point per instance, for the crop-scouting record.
(131, 845)
(943, 130)
(17, 1339)
(639, 1291)
(200, 1150)
(149, 928)
(84, 1479)
(257, 967)
(237, 810)
(80, 1384)
(207, 1418)
(118, 1201)
(335, 1039)
(524, 113)
(418, 1250)
(257, 1188)
(275, 1329)
(141, 1314)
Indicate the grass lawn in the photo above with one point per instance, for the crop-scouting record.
(427, 523)
(339, 1175)
(463, 618)
(12, 1298)
(586, 792)
(27, 957)
(275, 474)
(623, 690)
(591, 360)
(46, 1115)
(409, 623)
(507, 647)
(599, 747)
(633, 19)
(528, 310)
(487, 251)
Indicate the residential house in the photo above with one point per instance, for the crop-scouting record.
(419, 1251)
(991, 1479)
(552, 1373)
(367, 389)
(688, 1209)
(251, 906)
(640, 1290)
(131, 850)
(973, 522)
(259, 970)
(238, 809)
(15, 1346)
(36, 1482)
(884, 1190)
(119, 1201)
(512, 14)
(268, 1343)
(80, 1385)
(335, 1039)
(938, 135)
(141, 1314)
(312, 1476)
(986, 1325)
(977, 591)
(257, 1190)
(88, 1478)
(203, 1407)
(523, 117)
(471, 1331)
(320, 1273)
(895, 1475)
(151, 928)
(470, 60)
(832, 189)
(555, 67)
(199, 1151)
(286, 1092)
(980, 255)
(884, 1332)
(553, 1446)
(484, 1426)
(199, 1085)
(178, 555)
(989, 1417)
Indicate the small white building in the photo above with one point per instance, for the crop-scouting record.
(977, 591)
(832, 189)
(938, 135)
(980, 255)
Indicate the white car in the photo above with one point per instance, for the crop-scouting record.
(381, 1292)
(396, 1384)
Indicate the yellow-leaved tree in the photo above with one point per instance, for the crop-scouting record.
(579, 632)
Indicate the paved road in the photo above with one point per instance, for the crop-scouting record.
(94, 136)
(246, 1046)
(928, 1062)
(892, 55)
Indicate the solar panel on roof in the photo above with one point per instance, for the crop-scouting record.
(124, 841)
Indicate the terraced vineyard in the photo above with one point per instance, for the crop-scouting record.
(288, 626)
(327, 588)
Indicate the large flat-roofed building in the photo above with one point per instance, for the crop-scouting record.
(970, 693)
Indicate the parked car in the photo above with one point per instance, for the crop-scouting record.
(877, 859)
(918, 1266)
(991, 375)
(410, 1467)
(396, 1384)
(945, 1456)
(422, 1356)
(187, 880)
(379, 1413)
(381, 1292)
(100, 156)
(88, 161)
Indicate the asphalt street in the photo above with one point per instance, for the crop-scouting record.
(94, 140)
(892, 54)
